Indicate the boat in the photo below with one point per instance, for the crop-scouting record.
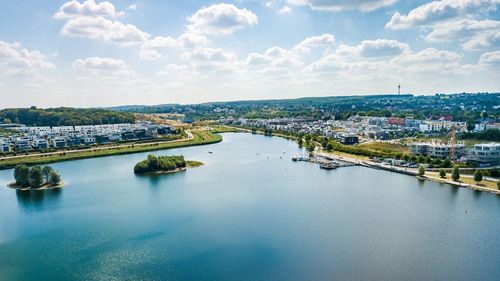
(210, 152)
(328, 165)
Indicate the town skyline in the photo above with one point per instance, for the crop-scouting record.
(108, 53)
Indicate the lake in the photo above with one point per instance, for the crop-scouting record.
(249, 213)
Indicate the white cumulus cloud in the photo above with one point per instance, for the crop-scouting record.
(20, 61)
(220, 19)
(88, 8)
(438, 11)
(340, 5)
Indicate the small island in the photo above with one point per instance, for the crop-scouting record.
(35, 178)
(163, 165)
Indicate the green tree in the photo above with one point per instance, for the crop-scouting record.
(36, 177)
(300, 141)
(478, 176)
(54, 178)
(447, 163)
(329, 146)
(421, 159)
(442, 173)
(311, 147)
(324, 143)
(421, 170)
(22, 175)
(46, 171)
(455, 174)
(428, 160)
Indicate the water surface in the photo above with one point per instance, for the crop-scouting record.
(250, 213)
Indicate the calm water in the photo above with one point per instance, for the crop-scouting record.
(246, 215)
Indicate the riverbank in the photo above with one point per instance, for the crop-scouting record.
(13, 185)
(195, 137)
(465, 182)
(367, 162)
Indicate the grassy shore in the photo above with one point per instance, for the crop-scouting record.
(199, 138)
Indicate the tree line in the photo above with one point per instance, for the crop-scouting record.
(64, 116)
(36, 176)
(159, 163)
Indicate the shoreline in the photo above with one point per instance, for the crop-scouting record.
(408, 172)
(13, 185)
(177, 170)
(195, 138)
(158, 173)
(365, 162)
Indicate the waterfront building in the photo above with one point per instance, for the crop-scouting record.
(58, 142)
(485, 154)
(438, 149)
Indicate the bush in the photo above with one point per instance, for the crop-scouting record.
(421, 170)
(478, 176)
(442, 173)
(455, 174)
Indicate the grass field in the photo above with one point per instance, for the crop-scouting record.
(199, 138)
(467, 180)
(385, 147)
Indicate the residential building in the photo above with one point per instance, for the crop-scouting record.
(58, 142)
(485, 154)
(438, 149)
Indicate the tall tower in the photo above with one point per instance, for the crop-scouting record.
(399, 89)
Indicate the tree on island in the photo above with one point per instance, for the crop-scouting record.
(35, 177)
(22, 175)
(442, 173)
(478, 176)
(158, 164)
(46, 171)
(455, 174)
(421, 170)
(54, 178)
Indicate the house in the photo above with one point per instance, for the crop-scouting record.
(58, 142)
(40, 144)
(485, 154)
(348, 139)
(101, 139)
(4, 146)
(22, 144)
(89, 140)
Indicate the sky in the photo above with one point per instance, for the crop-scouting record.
(102, 53)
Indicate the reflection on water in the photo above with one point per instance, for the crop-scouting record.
(36, 199)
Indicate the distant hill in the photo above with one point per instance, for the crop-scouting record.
(463, 106)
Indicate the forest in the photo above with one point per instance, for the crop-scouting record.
(64, 116)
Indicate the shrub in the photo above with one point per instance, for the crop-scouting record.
(442, 173)
(478, 176)
(455, 174)
(421, 170)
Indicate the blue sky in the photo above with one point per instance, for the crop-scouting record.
(100, 53)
